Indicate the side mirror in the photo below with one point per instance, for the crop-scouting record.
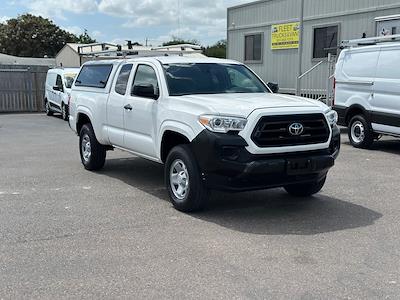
(56, 88)
(145, 90)
(274, 87)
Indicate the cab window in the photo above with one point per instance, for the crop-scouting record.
(122, 80)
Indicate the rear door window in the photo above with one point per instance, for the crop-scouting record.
(94, 76)
(360, 64)
(122, 80)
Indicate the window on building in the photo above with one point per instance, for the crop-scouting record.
(253, 47)
(325, 41)
(122, 80)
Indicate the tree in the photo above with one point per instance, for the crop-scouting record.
(177, 41)
(84, 38)
(34, 36)
(217, 50)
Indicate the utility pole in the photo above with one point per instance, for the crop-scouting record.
(179, 19)
(301, 36)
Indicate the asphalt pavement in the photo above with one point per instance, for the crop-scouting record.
(69, 233)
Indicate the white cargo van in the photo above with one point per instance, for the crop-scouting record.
(367, 93)
(58, 89)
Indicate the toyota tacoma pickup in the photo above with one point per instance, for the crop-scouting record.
(213, 123)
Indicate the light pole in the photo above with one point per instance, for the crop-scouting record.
(300, 52)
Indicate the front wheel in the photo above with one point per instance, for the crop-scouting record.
(64, 112)
(93, 154)
(183, 180)
(47, 107)
(360, 132)
(305, 189)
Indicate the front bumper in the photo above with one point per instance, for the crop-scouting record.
(225, 163)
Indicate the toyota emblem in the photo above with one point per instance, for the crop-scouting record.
(296, 129)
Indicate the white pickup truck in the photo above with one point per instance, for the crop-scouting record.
(213, 123)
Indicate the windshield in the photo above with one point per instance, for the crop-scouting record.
(211, 78)
(69, 79)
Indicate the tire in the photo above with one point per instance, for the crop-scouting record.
(305, 189)
(93, 154)
(47, 107)
(360, 132)
(181, 170)
(64, 112)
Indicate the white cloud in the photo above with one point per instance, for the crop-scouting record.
(3, 19)
(204, 20)
(73, 29)
(56, 8)
(97, 34)
(190, 19)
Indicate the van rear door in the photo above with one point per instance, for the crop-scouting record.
(386, 100)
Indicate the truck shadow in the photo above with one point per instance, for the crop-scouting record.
(274, 212)
(270, 212)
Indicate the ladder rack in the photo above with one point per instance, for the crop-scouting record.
(370, 41)
(111, 51)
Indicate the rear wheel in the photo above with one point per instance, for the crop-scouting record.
(305, 189)
(183, 180)
(47, 107)
(64, 111)
(93, 154)
(360, 132)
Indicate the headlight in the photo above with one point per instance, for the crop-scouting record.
(332, 117)
(222, 124)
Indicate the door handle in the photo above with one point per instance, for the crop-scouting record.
(128, 107)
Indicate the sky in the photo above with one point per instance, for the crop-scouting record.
(137, 20)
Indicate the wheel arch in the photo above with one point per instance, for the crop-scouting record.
(356, 109)
(176, 131)
(169, 140)
(82, 118)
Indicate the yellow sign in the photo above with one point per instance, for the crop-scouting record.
(285, 36)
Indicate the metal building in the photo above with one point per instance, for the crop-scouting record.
(265, 35)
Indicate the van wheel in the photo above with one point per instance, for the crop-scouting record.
(305, 189)
(64, 112)
(47, 107)
(182, 178)
(93, 154)
(360, 132)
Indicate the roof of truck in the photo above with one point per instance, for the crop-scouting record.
(173, 59)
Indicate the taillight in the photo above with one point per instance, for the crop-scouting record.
(334, 91)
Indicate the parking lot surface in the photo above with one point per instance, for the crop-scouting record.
(69, 233)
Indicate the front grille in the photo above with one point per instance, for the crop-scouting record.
(273, 131)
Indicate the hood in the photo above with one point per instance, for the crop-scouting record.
(244, 104)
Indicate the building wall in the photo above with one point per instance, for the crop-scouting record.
(68, 58)
(353, 16)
